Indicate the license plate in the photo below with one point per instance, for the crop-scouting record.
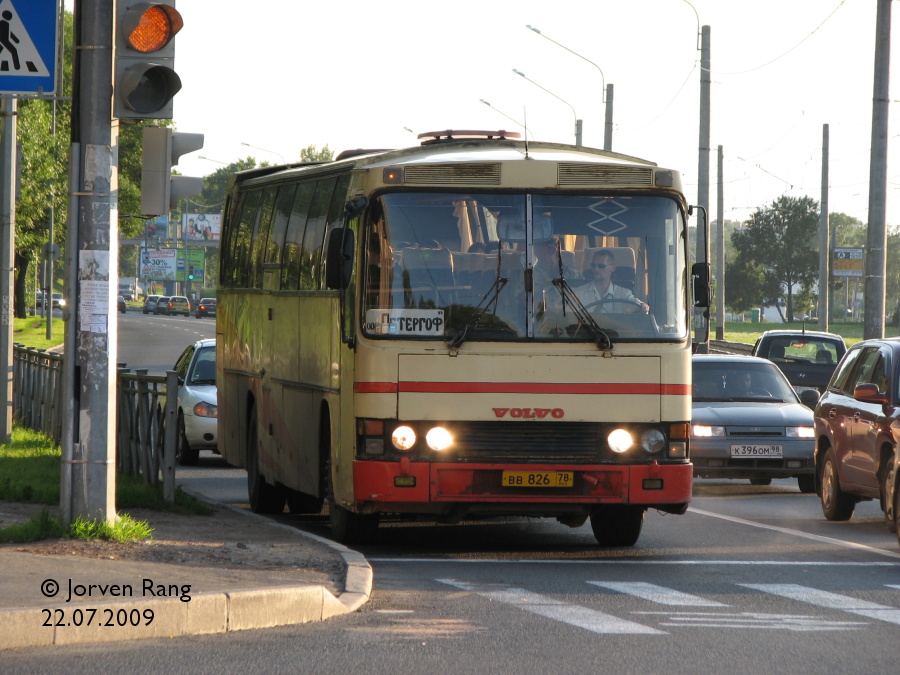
(752, 450)
(538, 479)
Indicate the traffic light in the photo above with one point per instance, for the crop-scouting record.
(160, 190)
(144, 79)
(190, 272)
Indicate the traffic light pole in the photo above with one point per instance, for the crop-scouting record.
(88, 443)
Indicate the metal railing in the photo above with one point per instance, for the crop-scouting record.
(145, 443)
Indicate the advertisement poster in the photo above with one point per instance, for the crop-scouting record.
(201, 226)
(159, 264)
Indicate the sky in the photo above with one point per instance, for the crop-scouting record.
(280, 75)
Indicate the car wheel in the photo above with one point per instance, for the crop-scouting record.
(617, 525)
(836, 504)
(807, 483)
(888, 503)
(184, 453)
(760, 481)
(264, 498)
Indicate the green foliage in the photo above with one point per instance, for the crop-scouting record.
(782, 240)
(41, 526)
(747, 285)
(32, 332)
(311, 154)
(125, 528)
(29, 468)
(133, 493)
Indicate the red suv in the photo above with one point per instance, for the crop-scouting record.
(857, 430)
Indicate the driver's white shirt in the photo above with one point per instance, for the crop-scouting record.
(588, 294)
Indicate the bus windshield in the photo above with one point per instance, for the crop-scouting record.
(580, 267)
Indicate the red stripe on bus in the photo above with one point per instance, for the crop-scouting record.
(521, 388)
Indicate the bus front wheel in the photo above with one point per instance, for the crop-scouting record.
(617, 525)
(264, 498)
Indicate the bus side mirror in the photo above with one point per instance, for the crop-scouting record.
(339, 258)
(700, 275)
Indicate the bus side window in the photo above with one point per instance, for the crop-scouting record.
(293, 238)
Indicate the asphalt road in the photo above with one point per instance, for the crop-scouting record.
(155, 342)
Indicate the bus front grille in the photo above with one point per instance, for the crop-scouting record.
(527, 440)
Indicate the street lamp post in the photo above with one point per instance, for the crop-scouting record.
(577, 121)
(606, 92)
(504, 114)
(272, 152)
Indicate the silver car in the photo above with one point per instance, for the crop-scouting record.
(747, 422)
(197, 399)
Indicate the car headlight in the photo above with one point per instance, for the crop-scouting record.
(438, 439)
(800, 432)
(203, 409)
(620, 440)
(403, 438)
(705, 431)
(653, 440)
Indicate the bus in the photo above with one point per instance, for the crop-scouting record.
(475, 327)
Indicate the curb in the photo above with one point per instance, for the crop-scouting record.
(206, 613)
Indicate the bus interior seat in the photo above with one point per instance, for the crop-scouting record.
(428, 278)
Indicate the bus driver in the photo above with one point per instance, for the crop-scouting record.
(603, 296)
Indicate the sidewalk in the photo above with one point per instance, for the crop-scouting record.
(230, 571)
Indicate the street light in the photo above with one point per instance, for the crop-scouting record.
(283, 160)
(577, 121)
(210, 159)
(506, 116)
(607, 90)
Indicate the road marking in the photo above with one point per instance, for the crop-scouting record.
(757, 620)
(574, 615)
(845, 603)
(658, 594)
(797, 533)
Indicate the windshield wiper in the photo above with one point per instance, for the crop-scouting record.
(584, 317)
(489, 298)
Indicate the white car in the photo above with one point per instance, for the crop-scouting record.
(197, 399)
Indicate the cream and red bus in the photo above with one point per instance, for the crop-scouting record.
(478, 326)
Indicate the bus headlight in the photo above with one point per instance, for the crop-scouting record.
(403, 438)
(652, 441)
(438, 439)
(620, 440)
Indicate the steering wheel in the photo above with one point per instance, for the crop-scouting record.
(633, 302)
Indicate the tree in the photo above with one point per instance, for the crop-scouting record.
(310, 154)
(747, 285)
(781, 239)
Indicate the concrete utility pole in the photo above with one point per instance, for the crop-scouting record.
(608, 131)
(703, 165)
(876, 241)
(88, 443)
(720, 250)
(8, 111)
(824, 304)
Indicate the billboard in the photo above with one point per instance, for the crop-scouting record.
(171, 264)
(201, 226)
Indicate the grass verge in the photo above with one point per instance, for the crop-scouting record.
(30, 472)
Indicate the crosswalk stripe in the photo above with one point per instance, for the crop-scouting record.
(828, 600)
(658, 594)
(574, 615)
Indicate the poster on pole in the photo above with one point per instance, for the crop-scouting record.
(201, 226)
(848, 262)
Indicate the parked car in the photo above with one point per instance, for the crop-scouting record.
(162, 305)
(150, 304)
(747, 422)
(122, 307)
(206, 307)
(807, 358)
(197, 399)
(58, 301)
(857, 427)
(178, 304)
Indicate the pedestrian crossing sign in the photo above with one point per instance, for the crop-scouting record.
(28, 46)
